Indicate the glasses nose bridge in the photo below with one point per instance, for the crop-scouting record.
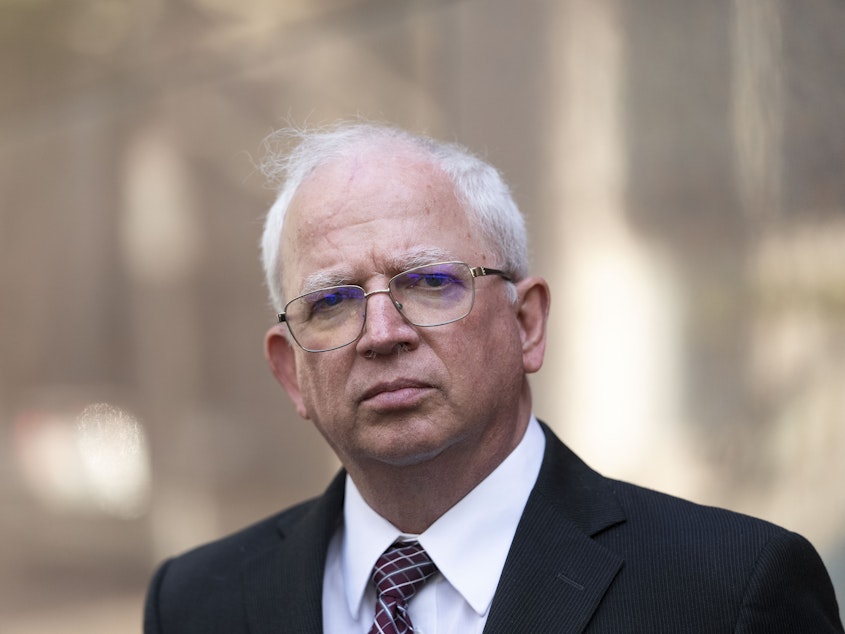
(378, 291)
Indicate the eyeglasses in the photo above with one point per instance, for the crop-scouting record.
(430, 295)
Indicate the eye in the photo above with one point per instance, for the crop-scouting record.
(433, 280)
(323, 303)
(329, 301)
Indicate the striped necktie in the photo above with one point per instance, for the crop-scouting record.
(397, 575)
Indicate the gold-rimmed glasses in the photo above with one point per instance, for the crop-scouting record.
(429, 295)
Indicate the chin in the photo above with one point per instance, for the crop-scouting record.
(410, 459)
(405, 451)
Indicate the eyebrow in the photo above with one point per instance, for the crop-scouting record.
(324, 279)
(418, 256)
(395, 264)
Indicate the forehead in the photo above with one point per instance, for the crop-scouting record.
(374, 213)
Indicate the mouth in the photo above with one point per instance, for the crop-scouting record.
(396, 394)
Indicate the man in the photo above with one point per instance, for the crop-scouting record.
(408, 326)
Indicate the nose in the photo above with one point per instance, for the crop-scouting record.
(385, 329)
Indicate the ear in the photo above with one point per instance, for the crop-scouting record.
(282, 359)
(532, 315)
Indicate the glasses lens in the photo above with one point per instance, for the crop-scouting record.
(435, 294)
(328, 318)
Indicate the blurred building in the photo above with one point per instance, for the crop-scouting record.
(680, 164)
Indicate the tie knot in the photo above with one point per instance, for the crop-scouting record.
(402, 570)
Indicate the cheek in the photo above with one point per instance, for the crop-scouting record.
(485, 345)
(499, 350)
(306, 376)
(321, 385)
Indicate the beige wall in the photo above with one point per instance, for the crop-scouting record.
(680, 164)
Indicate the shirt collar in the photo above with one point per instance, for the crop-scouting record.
(469, 543)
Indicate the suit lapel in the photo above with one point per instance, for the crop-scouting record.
(556, 575)
(285, 584)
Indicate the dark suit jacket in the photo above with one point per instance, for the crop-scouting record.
(589, 555)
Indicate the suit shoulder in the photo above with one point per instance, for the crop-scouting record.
(202, 589)
(753, 571)
(687, 534)
(229, 551)
(676, 514)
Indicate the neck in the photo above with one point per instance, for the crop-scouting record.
(413, 497)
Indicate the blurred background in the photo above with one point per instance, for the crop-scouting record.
(681, 166)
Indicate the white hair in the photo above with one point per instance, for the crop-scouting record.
(484, 196)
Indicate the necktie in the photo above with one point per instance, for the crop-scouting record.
(397, 575)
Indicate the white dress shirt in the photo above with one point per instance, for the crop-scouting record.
(469, 544)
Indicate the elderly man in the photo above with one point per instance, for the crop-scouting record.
(408, 324)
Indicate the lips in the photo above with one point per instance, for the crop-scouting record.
(400, 388)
